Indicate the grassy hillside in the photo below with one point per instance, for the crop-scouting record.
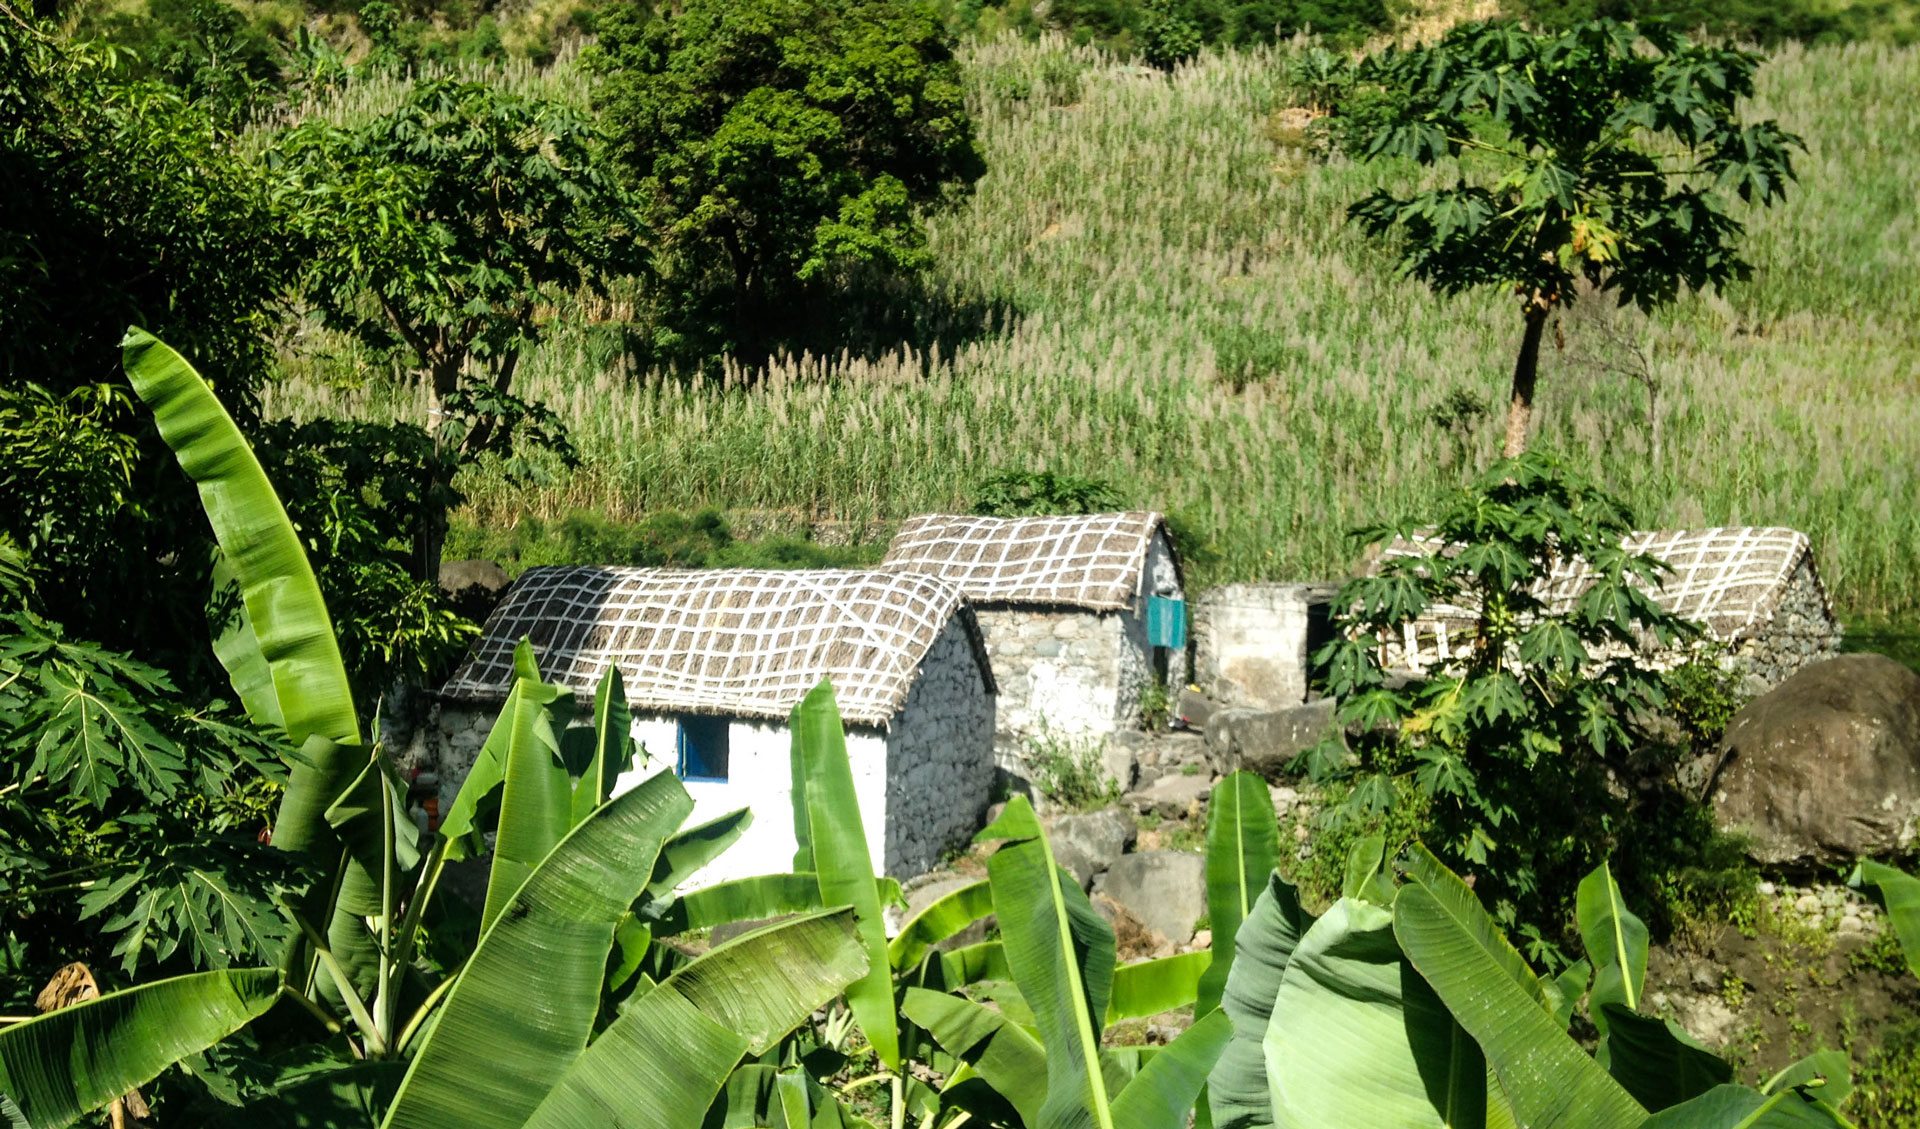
(1153, 284)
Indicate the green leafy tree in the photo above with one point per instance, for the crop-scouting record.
(120, 200)
(1516, 750)
(1607, 154)
(437, 232)
(778, 142)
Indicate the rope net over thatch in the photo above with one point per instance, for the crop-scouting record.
(1089, 561)
(736, 642)
(1730, 581)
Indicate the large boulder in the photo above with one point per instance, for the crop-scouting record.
(1173, 797)
(1825, 767)
(1266, 741)
(1087, 843)
(1165, 890)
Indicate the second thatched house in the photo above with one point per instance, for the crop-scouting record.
(715, 661)
(1083, 615)
(1754, 591)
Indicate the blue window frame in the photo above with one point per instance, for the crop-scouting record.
(702, 748)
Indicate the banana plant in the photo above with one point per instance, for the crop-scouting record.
(490, 1060)
(1407, 1006)
(1243, 846)
(57, 1068)
(1060, 955)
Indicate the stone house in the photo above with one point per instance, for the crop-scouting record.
(713, 663)
(1063, 603)
(1754, 590)
(1253, 644)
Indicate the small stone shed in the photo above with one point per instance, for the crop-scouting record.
(1062, 603)
(713, 663)
(1755, 590)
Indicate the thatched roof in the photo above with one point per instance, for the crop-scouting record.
(736, 642)
(1730, 581)
(1086, 561)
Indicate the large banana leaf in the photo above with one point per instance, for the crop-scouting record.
(1150, 987)
(293, 634)
(1655, 1060)
(659, 1065)
(1616, 943)
(740, 899)
(1463, 905)
(61, 1066)
(1737, 1107)
(521, 1011)
(1061, 954)
(1900, 892)
(1009, 1059)
(827, 806)
(520, 773)
(975, 963)
(685, 854)
(1237, 1089)
(1243, 844)
(1358, 1038)
(942, 919)
(1550, 1082)
(382, 844)
(1162, 1094)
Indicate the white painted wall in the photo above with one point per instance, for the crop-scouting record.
(760, 778)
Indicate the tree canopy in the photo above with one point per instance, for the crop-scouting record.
(120, 201)
(1607, 154)
(775, 142)
(436, 231)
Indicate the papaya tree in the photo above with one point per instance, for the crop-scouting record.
(1608, 154)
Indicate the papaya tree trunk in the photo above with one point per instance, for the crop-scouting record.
(1520, 404)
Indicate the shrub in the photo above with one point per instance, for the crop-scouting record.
(1021, 493)
(1069, 770)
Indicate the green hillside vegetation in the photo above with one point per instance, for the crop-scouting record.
(1152, 284)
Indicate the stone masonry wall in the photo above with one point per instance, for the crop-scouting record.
(940, 767)
(1802, 632)
(1253, 642)
(1057, 670)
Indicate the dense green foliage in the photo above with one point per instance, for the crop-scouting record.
(119, 200)
(1812, 21)
(778, 144)
(436, 230)
(1609, 156)
(129, 820)
(1513, 749)
(1168, 32)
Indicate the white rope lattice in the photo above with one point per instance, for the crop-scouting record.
(739, 642)
(1088, 561)
(1731, 581)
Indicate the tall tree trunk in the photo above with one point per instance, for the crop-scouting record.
(1520, 405)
